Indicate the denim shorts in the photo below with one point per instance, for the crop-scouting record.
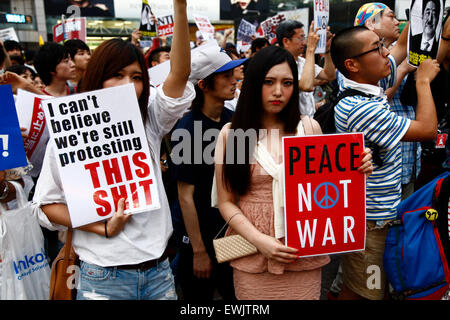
(112, 283)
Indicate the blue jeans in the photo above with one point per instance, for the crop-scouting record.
(111, 283)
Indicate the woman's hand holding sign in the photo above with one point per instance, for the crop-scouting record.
(117, 222)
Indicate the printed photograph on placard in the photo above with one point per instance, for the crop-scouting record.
(425, 30)
(102, 153)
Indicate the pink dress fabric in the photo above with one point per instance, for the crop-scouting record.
(258, 278)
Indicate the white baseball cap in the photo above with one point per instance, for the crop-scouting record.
(208, 59)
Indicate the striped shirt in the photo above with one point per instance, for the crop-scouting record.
(381, 127)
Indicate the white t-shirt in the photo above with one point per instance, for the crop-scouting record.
(306, 99)
(145, 236)
(231, 104)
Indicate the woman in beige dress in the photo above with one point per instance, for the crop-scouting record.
(268, 101)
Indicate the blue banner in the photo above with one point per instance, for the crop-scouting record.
(12, 151)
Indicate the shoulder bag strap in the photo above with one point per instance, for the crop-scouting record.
(68, 244)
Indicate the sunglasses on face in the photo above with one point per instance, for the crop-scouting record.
(379, 47)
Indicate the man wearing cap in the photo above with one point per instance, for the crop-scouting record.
(291, 36)
(194, 141)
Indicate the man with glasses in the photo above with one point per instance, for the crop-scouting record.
(359, 54)
(380, 19)
(291, 36)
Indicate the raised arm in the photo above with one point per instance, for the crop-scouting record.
(399, 50)
(7, 61)
(425, 125)
(329, 70)
(17, 82)
(403, 69)
(180, 53)
(226, 35)
(306, 81)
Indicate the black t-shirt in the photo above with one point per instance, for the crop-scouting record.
(198, 172)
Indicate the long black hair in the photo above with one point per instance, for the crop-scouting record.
(249, 112)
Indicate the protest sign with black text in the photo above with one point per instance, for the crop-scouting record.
(324, 194)
(102, 153)
(321, 18)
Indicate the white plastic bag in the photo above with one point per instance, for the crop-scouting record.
(25, 270)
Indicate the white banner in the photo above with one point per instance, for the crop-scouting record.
(127, 9)
(102, 153)
(301, 15)
(8, 34)
(321, 17)
(205, 27)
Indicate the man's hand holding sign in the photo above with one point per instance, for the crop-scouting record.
(325, 193)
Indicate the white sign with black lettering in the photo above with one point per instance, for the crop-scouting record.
(102, 153)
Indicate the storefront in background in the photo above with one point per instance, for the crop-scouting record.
(106, 19)
(23, 20)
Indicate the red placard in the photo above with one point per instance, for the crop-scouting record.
(325, 208)
(165, 26)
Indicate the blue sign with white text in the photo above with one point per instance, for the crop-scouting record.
(12, 151)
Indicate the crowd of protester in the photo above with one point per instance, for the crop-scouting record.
(271, 87)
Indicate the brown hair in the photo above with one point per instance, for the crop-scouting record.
(107, 60)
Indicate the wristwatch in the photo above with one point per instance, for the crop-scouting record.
(4, 192)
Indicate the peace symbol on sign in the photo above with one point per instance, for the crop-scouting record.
(327, 201)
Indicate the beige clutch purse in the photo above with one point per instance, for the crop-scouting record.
(232, 247)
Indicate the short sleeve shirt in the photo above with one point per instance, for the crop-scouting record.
(382, 128)
(195, 169)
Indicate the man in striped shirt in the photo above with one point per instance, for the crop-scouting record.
(360, 56)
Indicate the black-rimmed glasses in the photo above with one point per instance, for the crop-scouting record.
(379, 47)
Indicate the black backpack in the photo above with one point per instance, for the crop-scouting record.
(325, 114)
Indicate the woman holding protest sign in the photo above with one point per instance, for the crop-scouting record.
(124, 257)
(268, 101)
